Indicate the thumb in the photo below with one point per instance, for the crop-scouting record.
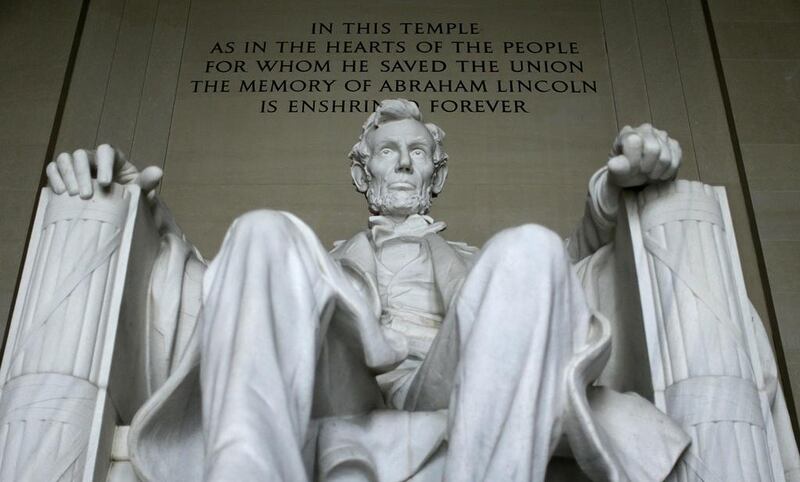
(149, 178)
(619, 166)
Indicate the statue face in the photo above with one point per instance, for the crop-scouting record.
(401, 168)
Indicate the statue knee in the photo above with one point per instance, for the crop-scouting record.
(526, 248)
(529, 241)
(264, 226)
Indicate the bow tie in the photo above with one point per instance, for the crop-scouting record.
(384, 229)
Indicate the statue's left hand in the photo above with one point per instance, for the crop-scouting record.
(72, 172)
(643, 155)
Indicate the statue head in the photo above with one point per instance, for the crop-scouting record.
(399, 162)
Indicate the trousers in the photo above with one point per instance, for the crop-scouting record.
(285, 331)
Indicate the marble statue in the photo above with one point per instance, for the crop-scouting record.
(400, 355)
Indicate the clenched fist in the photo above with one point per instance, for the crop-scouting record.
(643, 155)
(73, 172)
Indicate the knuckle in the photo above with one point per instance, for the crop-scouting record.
(633, 139)
(651, 145)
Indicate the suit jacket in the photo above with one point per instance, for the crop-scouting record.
(451, 262)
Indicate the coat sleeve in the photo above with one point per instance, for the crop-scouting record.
(165, 439)
(174, 298)
(596, 228)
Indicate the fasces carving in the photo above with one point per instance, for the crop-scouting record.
(55, 402)
(711, 362)
(399, 355)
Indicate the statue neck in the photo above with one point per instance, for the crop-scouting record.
(396, 219)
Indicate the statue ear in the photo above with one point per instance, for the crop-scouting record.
(439, 177)
(359, 175)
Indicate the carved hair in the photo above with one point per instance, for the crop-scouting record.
(395, 110)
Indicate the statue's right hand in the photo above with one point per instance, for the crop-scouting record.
(73, 172)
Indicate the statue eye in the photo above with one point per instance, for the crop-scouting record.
(417, 152)
(386, 151)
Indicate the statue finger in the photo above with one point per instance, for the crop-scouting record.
(662, 164)
(616, 148)
(675, 161)
(645, 130)
(651, 149)
(83, 173)
(632, 149)
(677, 152)
(668, 174)
(666, 141)
(64, 164)
(104, 158)
(149, 178)
(619, 167)
(124, 170)
(54, 178)
(664, 155)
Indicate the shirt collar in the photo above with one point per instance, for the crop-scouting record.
(383, 229)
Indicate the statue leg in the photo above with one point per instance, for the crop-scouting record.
(519, 318)
(268, 300)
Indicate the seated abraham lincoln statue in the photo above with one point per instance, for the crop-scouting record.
(398, 355)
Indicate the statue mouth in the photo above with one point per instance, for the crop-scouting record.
(402, 186)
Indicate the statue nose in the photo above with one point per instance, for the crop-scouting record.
(404, 163)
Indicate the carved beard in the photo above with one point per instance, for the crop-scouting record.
(403, 203)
